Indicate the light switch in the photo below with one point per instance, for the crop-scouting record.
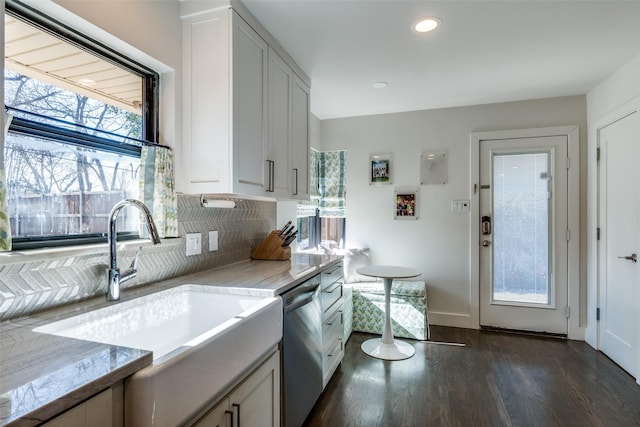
(460, 206)
(194, 244)
(213, 241)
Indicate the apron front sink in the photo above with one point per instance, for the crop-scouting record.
(203, 338)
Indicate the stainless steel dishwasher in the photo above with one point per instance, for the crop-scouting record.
(302, 351)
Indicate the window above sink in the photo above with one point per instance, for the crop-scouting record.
(81, 112)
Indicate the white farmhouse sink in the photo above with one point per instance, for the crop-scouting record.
(202, 340)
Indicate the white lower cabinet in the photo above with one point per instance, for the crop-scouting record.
(255, 402)
(332, 321)
(218, 416)
(96, 411)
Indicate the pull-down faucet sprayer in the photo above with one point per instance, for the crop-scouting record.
(114, 276)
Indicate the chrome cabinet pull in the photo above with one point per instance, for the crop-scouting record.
(270, 176)
(237, 406)
(230, 414)
(295, 181)
(334, 318)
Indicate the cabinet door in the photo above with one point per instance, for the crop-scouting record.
(250, 54)
(280, 87)
(218, 416)
(300, 139)
(256, 401)
(207, 134)
(94, 412)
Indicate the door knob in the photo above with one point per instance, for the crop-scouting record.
(486, 243)
(632, 257)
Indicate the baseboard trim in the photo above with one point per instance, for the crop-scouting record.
(523, 332)
(455, 320)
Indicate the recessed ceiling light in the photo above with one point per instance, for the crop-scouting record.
(380, 85)
(86, 82)
(426, 25)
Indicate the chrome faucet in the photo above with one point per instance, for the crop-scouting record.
(115, 277)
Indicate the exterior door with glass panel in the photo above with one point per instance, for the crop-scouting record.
(523, 234)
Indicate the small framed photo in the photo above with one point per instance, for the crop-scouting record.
(405, 203)
(380, 169)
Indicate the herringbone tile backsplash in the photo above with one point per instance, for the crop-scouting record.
(28, 287)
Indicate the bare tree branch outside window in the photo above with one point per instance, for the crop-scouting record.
(39, 171)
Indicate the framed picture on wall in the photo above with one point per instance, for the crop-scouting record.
(380, 169)
(434, 167)
(405, 203)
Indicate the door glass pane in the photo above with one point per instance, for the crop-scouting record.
(521, 230)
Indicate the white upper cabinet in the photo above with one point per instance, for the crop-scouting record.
(300, 139)
(240, 130)
(225, 69)
(249, 109)
(280, 86)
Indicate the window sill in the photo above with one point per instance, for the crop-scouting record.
(31, 255)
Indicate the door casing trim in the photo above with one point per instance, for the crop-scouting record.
(592, 334)
(574, 330)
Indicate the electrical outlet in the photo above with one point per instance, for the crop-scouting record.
(213, 241)
(194, 244)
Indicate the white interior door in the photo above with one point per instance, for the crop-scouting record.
(523, 234)
(619, 217)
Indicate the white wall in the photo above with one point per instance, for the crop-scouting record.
(438, 242)
(604, 103)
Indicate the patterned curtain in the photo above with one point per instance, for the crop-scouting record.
(157, 188)
(5, 224)
(308, 207)
(331, 184)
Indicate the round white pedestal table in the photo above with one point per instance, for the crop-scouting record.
(386, 347)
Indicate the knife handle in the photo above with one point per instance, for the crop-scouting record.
(284, 228)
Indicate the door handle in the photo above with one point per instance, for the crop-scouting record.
(632, 257)
(486, 243)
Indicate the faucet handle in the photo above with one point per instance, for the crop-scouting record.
(134, 263)
(132, 272)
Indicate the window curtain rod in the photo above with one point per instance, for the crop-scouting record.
(69, 128)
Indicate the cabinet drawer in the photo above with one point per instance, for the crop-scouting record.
(331, 275)
(330, 295)
(326, 314)
(331, 329)
(332, 359)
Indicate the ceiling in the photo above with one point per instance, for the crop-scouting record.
(483, 51)
(34, 53)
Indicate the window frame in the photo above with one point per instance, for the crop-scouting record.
(316, 228)
(150, 114)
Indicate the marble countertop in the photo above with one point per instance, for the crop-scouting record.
(43, 375)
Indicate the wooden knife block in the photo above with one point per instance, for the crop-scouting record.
(271, 249)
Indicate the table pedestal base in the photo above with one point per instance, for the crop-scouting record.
(398, 350)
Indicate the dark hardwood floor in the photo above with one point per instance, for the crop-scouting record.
(497, 379)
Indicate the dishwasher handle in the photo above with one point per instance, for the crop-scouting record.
(298, 300)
